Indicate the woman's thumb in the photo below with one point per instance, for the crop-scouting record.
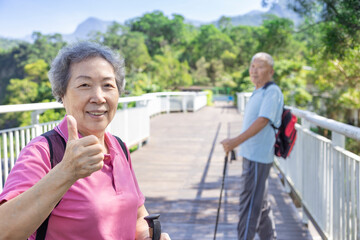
(72, 128)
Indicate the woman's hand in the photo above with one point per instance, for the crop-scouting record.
(164, 236)
(82, 156)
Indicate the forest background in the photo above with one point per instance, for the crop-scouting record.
(316, 62)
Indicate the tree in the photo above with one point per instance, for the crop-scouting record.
(130, 44)
(210, 43)
(170, 73)
(45, 47)
(160, 30)
(133, 47)
(215, 71)
(225, 24)
(339, 21)
(275, 35)
(200, 74)
(245, 42)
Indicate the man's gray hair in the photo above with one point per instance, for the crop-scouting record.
(60, 75)
(263, 56)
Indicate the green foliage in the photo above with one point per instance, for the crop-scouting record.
(275, 35)
(140, 83)
(160, 30)
(21, 91)
(200, 74)
(52, 115)
(291, 79)
(169, 72)
(8, 44)
(352, 146)
(340, 22)
(210, 43)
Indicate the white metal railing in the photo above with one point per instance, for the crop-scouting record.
(131, 124)
(323, 174)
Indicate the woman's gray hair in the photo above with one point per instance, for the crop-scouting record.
(60, 75)
(263, 56)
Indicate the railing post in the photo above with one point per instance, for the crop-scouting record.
(305, 124)
(241, 103)
(167, 103)
(183, 101)
(356, 117)
(126, 121)
(338, 139)
(35, 116)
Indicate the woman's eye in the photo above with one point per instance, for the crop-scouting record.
(84, 85)
(108, 85)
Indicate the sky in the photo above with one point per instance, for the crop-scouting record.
(19, 18)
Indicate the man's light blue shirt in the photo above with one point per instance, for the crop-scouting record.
(267, 103)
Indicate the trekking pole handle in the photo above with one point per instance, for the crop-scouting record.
(233, 156)
(154, 225)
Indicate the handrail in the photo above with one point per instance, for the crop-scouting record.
(29, 107)
(330, 124)
(56, 105)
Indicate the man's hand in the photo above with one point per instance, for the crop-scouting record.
(82, 156)
(228, 144)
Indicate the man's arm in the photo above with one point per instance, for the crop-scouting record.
(231, 143)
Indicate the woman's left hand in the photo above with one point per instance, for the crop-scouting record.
(164, 236)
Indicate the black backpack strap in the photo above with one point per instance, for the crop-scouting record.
(268, 84)
(122, 144)
(57, 148)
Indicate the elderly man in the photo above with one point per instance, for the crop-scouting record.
(257, 149)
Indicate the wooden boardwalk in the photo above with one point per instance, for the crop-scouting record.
(180, 172)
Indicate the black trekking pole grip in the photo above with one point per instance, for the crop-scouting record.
(154, 225)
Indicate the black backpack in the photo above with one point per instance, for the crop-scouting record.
(57, 142)
(286, 135)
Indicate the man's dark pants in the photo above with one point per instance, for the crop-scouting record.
(255, 212)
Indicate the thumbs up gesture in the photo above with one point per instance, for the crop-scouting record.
(82, 156)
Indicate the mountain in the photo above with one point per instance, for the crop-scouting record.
(89, 26)
(256, 17)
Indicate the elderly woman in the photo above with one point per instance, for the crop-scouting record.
(92, 193)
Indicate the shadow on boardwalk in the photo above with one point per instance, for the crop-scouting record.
(180, 173)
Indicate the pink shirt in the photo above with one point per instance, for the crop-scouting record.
(101, 206)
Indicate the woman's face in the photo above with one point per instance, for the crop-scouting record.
(91, 95)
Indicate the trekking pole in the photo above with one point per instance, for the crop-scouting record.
(233, 157)
(222, 188)
(154, 225)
